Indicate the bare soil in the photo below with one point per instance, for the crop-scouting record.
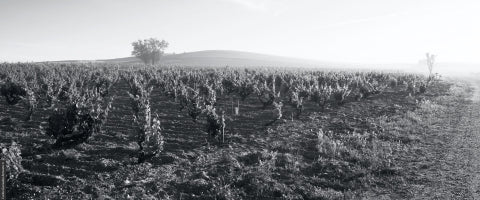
(434, 155)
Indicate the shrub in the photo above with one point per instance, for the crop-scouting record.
(245, 89)
(364, 92)
(102, 82)
(411, 87)
(266, 98)
(393, 83)
(229, 86)
(12, 155)
(265, 95)
(297, 102)
(80, 120)
(215, 123)
(328, 147)
(192, 101)
(372, 87)
(209, 95)
(322, 94)
(50, 87)
(278, 110)
(13, 92)
(423, 88)
(31, 102)
(149, 137)
(340, 94)
(16, 92)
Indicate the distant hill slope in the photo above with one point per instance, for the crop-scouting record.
(224, 58)
(240, 58)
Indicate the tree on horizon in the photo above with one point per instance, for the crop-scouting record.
(149, 50)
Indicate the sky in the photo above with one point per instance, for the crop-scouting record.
(364, 31)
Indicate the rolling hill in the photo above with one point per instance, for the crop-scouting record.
(225, 58)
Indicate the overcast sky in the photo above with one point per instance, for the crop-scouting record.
(370, 31)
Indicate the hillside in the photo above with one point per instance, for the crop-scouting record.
(241, 58)
(225, 58)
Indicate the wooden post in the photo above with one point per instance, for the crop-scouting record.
(232, 105)
(237, 109)
(223, 126)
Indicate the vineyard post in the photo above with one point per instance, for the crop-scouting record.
(175, 94)
(223, 126)
(233, 113)
(237, 109)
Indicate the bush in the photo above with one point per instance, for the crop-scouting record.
(328, 147)
(102, 84)
(31, 102)
(423, 88)
(374, 87)
(278, 110)
(340, 94)
(215, 123)
(229, 86)
(192, 101)
(149, 137)
(364, 92)
(12, 155)
(411, 87)
(13, 92)
(245, 89)
(209, 94)
(321, 95)
(50, 86)
(296, 101)
(393, 83)
(266, 95)
(79, 120)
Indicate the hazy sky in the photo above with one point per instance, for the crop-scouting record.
(335, 30)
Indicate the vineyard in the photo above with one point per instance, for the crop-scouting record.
(107, 131)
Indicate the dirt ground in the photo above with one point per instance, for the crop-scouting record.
(454, 161)
(432, 155)
(445, 164)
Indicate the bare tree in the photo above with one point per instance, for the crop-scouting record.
(430, 63)
(149, 50)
